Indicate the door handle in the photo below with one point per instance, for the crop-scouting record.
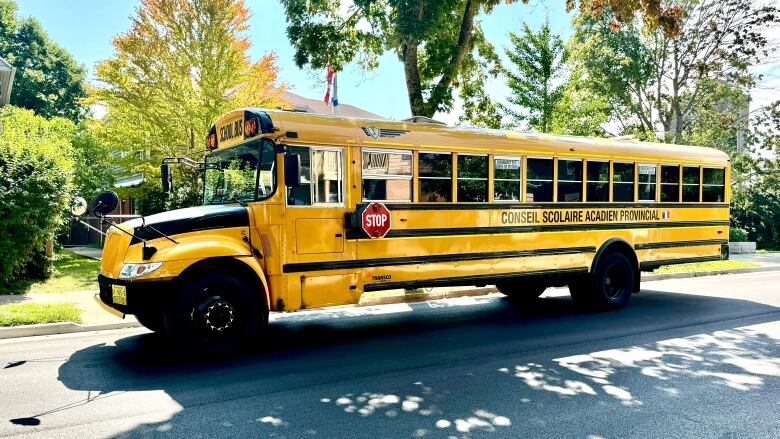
(339, 235)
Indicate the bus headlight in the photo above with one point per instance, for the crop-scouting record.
(132, 271)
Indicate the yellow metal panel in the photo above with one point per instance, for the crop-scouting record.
(319, 235)
(334, 289)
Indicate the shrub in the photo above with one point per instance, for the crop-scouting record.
(738, 235)
(36, 170)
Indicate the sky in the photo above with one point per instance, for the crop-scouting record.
(85, 28)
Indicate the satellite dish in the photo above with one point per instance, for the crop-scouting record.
(105, 203)
(78, 207)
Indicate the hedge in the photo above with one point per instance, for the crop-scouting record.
(36, 171)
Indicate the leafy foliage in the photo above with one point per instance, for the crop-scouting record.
(180, 66)
(657, 83)
(36, 166)
(537, 83)
(48, 80)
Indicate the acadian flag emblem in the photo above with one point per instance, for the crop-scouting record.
(666, 214)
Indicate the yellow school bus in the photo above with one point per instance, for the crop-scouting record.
(284, 223)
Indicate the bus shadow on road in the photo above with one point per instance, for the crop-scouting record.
(554, 352)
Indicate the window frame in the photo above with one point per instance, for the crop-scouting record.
(312, 181)
(519, 180)
(608, 181)
(458, 177)
(410, 177)
(612, 181)
(638, 183)
(556, 173)
(683, 184)
(702, 184)
(526, 179)
(662, 184)
(451, 178)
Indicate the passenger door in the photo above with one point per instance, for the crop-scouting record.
(315, 225)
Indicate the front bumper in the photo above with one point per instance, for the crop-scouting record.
(141, 295)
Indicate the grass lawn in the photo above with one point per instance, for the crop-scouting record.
(30, 313)
(704, 266)
(71, 273)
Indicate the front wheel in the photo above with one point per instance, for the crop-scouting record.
(215, 314)
(609, 287)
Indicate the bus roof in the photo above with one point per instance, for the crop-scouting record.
(383, 133)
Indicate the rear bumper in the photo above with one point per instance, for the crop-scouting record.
(141, 295)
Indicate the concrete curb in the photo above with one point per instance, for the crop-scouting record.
(653, 277)
(61, 328)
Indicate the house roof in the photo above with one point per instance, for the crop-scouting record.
(320, 107)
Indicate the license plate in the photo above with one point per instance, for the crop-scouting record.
(119, 294)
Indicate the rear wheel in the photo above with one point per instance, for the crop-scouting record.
(609, 287)
(521, 291)
(215, 314)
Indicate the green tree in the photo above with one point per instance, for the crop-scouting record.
(657, 83)
(182, 64)
(438, 41)
(537, 77)
(48, 80)
(36, 162)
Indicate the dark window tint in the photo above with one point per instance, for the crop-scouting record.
(690, 184)
(598, 171)
(539, 180)
(387, 189)
(435, 176)
(714, 176)
(598, 192)
(713, 185)
(623, 182)
(670, 184)
(540, 169)
(569, 180)
(647, 182)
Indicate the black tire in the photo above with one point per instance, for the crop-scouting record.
(151, 319)
(521, 291)
(609, 287)
(215, 314)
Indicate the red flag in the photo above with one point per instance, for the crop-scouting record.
(330, 83)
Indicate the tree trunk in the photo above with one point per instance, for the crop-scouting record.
(418, 105)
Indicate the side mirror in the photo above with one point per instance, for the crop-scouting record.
(105, 203)
(292, 170)
(167, 178)
(78, 207)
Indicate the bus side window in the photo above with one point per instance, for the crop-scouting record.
(539, 180)
(714, 185)
(690, 184)
(623, 182)
(301, 195)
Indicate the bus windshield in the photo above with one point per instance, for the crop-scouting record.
(241, 173)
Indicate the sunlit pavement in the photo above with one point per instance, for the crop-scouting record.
(688, 358)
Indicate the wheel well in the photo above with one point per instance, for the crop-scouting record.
(620, 246)
(226, 265)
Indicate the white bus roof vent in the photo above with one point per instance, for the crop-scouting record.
(423, 119)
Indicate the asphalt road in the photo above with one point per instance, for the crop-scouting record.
(688, 358)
